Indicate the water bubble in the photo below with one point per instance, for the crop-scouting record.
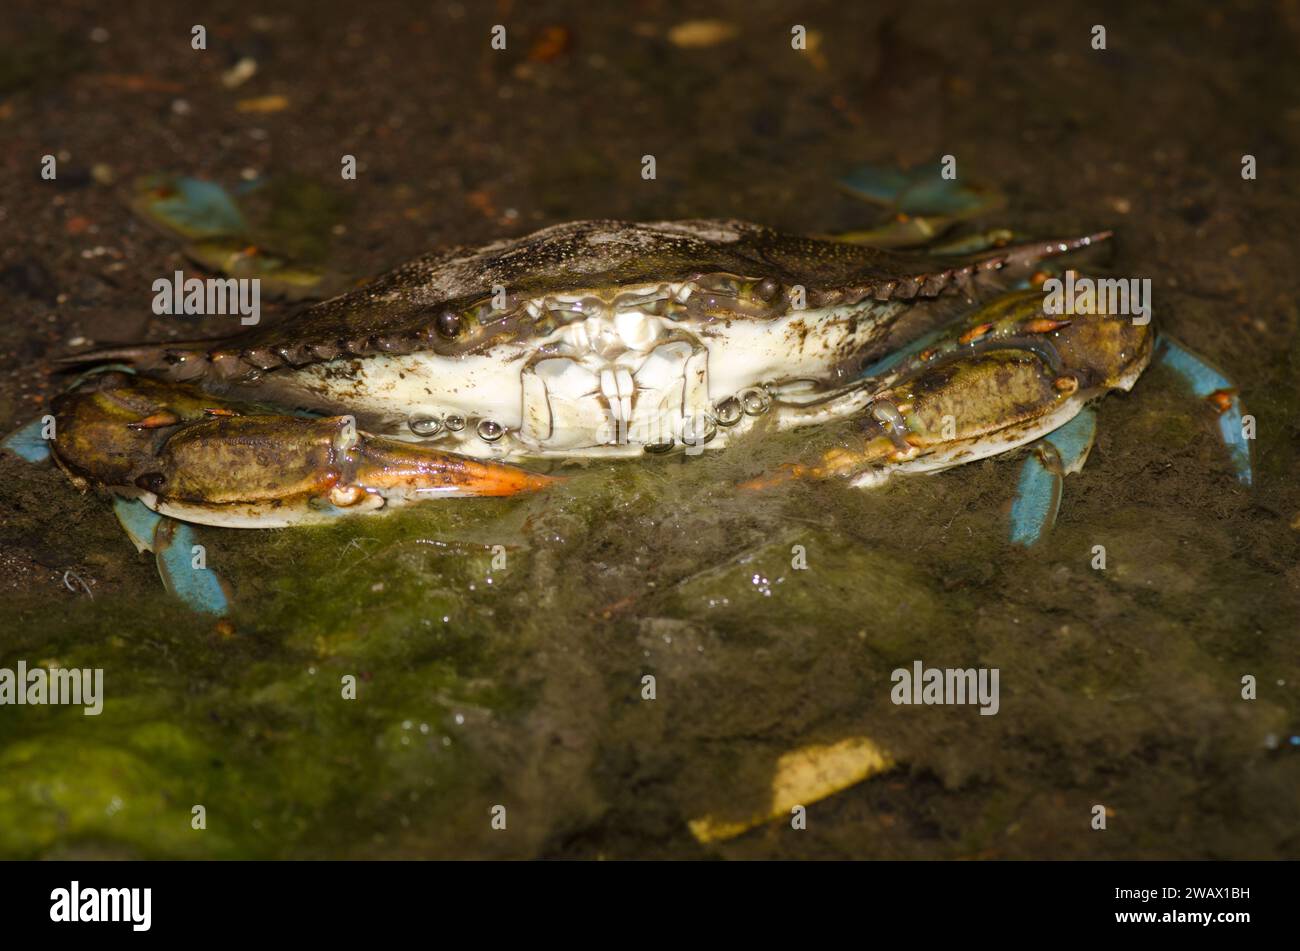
(728, 411)
(425, 425)
(756, 402)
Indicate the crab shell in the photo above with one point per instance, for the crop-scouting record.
(597, 337)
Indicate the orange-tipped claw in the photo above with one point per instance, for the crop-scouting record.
(391, 468)
(216, 466)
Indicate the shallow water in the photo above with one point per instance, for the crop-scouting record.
(522, 686)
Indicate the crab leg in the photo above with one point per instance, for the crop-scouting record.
(198, 459)
(28, 443)
(1038, 493)
(173, 544)
(1209, 384)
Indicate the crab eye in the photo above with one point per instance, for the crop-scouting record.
(153, 482)
(449, 324)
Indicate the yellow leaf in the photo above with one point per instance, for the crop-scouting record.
(802, 777)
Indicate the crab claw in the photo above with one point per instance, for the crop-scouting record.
(163, 443)
(270, 471)
(1002, 377)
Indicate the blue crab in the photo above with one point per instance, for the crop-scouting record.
(600, 339)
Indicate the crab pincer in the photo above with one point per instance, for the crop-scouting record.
(267, 471)
(164, 444)
(1002, 377)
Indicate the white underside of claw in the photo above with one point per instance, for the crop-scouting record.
(266, 515)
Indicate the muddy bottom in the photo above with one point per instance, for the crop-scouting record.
(500, 649)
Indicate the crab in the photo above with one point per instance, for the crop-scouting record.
(602, 339)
